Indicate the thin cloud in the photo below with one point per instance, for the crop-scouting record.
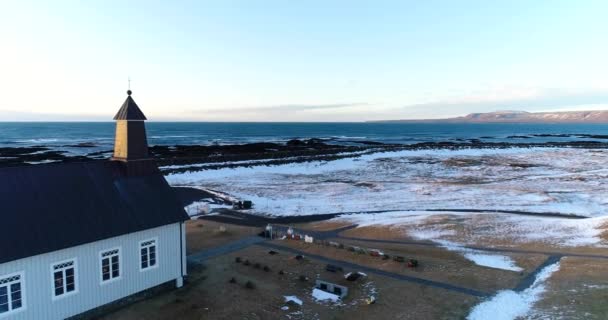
(11, 115)
(289, 107)
(532, 100)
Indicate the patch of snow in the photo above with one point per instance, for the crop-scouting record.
(220, 195)
(294, 299)
(41, 161)
(386, 218)
(566, 232)
(321, 295)
(197, 208)
(510, 305)
(479, 226)
(481, 257)
(492, 260)
(203, 208)
(595, 286)
(430, 233)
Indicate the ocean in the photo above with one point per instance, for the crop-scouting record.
(65, 135)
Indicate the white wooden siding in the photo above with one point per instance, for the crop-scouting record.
(91, 294)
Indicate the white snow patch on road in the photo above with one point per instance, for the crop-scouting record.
(491, 260)
(386, 218)
(293, 299)
(509, 305)
(482, 258)
(203, 208)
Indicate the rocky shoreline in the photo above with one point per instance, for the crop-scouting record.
(182, 158)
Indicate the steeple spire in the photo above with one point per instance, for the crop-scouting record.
(131, 142)
(129, 110)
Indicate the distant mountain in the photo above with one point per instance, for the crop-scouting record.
(523, 117)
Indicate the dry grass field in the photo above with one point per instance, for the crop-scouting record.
(577, 291)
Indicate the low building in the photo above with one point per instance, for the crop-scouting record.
(338, 290)
(77, 236)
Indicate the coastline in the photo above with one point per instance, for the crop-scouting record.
(184, 158)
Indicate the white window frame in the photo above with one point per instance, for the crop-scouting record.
(120, 266)
(21, 280)
(64, 294)
(155, 239)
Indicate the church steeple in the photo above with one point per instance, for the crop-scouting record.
(129, 110)
(131, 142)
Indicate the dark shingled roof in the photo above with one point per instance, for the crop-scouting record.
(57, 206)
(129, 111)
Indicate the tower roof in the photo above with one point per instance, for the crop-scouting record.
(129, 110)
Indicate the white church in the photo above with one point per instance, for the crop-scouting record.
(77, 236)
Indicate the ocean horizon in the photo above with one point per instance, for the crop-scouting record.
(71, 136)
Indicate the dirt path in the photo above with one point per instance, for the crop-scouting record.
(225, 249)
(344, 264)
(529, 280)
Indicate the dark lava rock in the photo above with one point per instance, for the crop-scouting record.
(83, 145)
(315, 142)
(295, 143)
(561, 135)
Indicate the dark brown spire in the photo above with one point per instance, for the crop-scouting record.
(129, 110)
(131, 142)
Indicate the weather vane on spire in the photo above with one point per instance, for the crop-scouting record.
(129, 91)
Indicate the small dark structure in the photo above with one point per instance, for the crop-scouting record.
(242, 205)
(399, 259)
(412, 263)
(333, 268)
(247, 204)
(353, 276)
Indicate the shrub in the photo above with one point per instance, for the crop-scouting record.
(250, 285)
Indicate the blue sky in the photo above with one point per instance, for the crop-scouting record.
(300, 60)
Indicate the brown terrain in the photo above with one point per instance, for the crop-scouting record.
(453, 284)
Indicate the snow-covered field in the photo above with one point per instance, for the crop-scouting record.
(571, 181)
(542, 180)
(508, 304)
